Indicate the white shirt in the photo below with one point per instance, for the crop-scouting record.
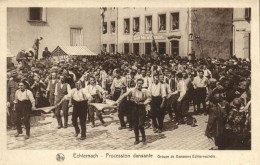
(25, 95)
(200, 82)
(92, 89)
(80, 95)
(157, 90)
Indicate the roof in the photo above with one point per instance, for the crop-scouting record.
(72, 51)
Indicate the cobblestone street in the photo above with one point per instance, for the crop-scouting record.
(44, 135)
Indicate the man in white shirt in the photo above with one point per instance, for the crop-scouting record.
(145, 78)
(62, 91)
(158, 95)
(200, 84)
(24, 102)
(98, 95)
(80, 99)
(139, 98)
(168, 91)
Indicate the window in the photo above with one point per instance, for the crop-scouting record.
(247, 13)
(37, 14)
(136, 48)
(104, 47)
(126, 48)
(76, 37)
(136, 25)
(174, 21)
(162, 47)
(112, 48)
(175, 48)
(104, 29)
(148, 48)
(113, 27)
(126, 26)
(162, 22)
(148, 23)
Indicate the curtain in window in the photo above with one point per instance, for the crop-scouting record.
(76, 37)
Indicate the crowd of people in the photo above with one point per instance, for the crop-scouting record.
(144, 89)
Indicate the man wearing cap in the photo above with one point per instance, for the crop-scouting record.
(80, 99)
(62, 91)
(24, 103)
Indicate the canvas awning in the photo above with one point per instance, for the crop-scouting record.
(72, 51)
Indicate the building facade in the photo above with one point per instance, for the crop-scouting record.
(57, 26)
(175, 31)
(242, 32)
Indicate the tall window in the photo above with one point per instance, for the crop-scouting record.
(148, 24)
(104, 28)
(136, 48)
(126, 26)
(136, 24)
(162, 22)
(148, 48)
(76, 37)
(112, 48)
(104, 47)
(175, 47)
(112, 27)
(174, 21)
(126, 48)
(37, 14)
(162, 47)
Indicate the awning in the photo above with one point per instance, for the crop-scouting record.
(72, 51)
(174, 36)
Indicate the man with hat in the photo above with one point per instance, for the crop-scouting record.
(24, 103)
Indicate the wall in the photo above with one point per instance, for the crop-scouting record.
(21, 34)
(214, 27)
(241, 26)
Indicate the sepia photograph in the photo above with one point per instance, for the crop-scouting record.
(128, 78)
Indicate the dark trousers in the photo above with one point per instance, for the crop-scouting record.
(157, 112)
(11, 118)
(138, 117)
(122, 111)
(23, 110)
(168, 107)
(201, 98)
(116, 94)
(62, 107)
(80, 111)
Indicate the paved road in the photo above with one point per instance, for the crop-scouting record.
(44, 135)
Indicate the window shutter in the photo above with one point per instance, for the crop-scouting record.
(44, 14)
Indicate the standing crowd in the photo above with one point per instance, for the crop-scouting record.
(143, 89)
